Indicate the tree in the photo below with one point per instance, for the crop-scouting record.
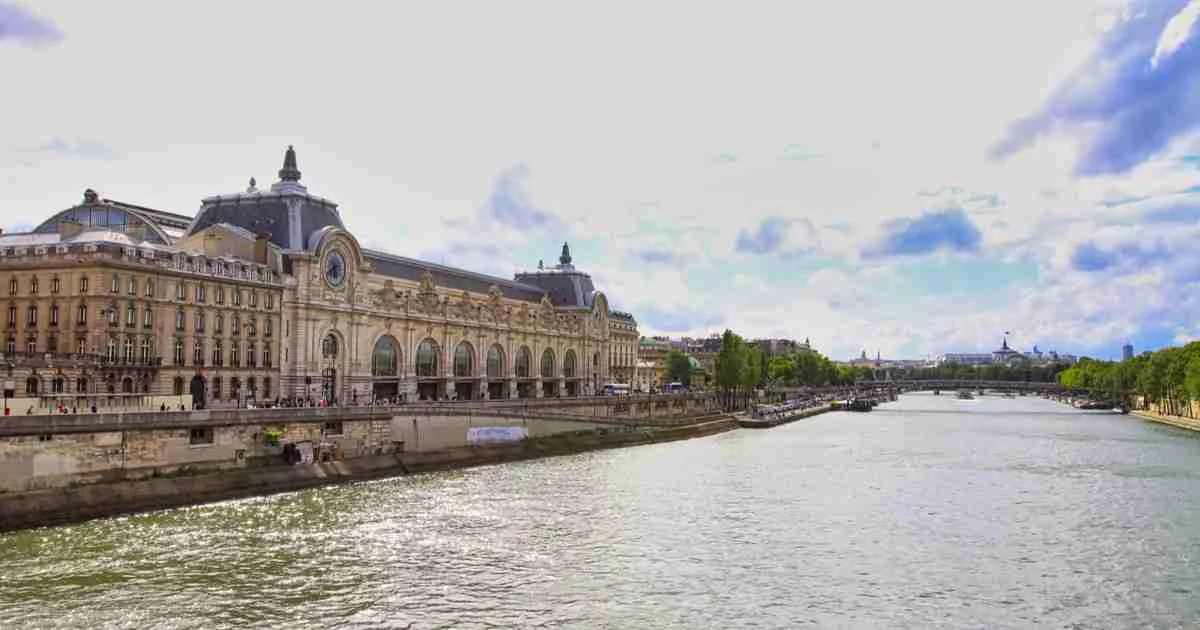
(679, 368)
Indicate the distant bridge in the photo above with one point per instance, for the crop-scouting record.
(911, 385)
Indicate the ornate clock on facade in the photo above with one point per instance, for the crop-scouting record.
(334, 269)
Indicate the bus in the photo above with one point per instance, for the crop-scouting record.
(675, 388)
(615, 389)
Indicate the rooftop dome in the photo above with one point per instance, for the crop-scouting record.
(287, 214)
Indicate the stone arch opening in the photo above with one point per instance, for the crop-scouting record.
(570, 373)
(495, 371)
(549, 382)
(428, 370)
(523, 369)
(464, 371)
(385, 369)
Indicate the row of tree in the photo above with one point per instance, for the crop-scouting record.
(1169, 377)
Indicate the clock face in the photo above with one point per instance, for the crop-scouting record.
(335, 269)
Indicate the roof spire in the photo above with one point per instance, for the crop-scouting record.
(290, 172)
(565, 258)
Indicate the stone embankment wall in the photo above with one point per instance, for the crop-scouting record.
(55, 468)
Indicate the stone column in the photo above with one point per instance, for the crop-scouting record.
(511, 387)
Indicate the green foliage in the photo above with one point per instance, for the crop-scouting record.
(1170, 376)
(679, 368)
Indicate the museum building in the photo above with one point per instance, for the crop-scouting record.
(264, 294)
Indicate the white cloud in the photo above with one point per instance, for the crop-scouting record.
(663, 130)
(1177, 31)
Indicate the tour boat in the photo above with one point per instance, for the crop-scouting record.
(966, 396)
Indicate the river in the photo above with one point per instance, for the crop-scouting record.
(928, 512)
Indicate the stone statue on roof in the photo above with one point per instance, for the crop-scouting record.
(565, 258)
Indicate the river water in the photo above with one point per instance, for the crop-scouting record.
(929, 512)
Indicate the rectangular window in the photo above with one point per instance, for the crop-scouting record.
(270, 301)
(12, 316)
(237, 297)
(116, 284)
(54, 315)
(268, 327)
(147, 318)
(217, 359)
(236, 326)
(200, 293)
(235, 355)
(112, 316)
(12, 286)
(179, 320)
(199, 322)
(81, 314)
(250, 357)
(132, 288)
(267, 357)
(31, 346)
(200, 435)
(149, 287)
(220, 295)
(31, 315)
(178, 352)
(55, 285)
(83, 284)
(251, 327)
(81, 349)
(198, 353)
(219, 323)
(253, 299)
(180, 290)
(130, 316)
(33, 286)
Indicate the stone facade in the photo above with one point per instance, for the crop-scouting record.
(264, 294)
(95, 318)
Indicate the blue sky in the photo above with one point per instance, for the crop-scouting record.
(896, 177)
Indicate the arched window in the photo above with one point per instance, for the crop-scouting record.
(127, 385)
(144, 384)
(329, 347)
(385, 357)
(128, 350)
(56, 385)
(569, 364)
(178, 386)
(427, 358)
(548, 363)
(266, 387)
(31, 386)
(464, 360)
(81, 385)
(524, 367)
(495, 361)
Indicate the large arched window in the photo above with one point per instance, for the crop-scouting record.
(427, 358)
(495, 361)
(548, 363)
(569, 364)
(464, 360)
(329, 347)
(31, 385)
(385, 357)
(524, 363)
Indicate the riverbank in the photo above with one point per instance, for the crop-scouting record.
(79, 503)
(1190, 424)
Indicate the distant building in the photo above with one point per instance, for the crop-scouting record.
(1127, 352)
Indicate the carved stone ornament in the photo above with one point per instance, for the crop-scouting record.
(494, 296)
(465, 306)
(385, 297)
(427, 285)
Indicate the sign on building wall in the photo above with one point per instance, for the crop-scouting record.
(485, 435)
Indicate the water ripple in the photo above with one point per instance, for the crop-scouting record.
(928, 513)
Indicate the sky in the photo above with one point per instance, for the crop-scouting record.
(903, 178)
